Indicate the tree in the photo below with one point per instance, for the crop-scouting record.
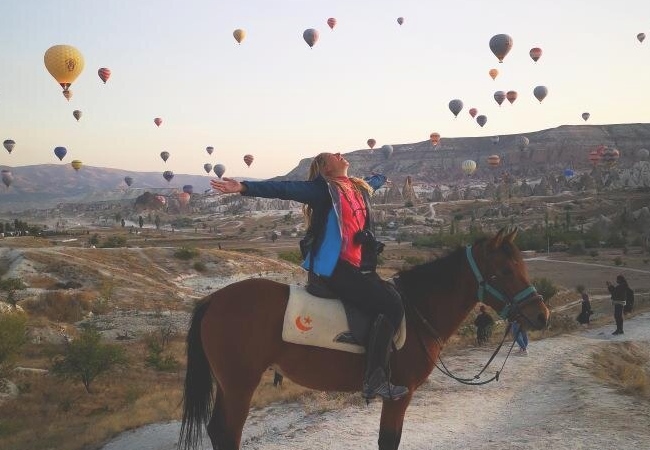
(86, 357)
(157, 222)
(10, 286)
(12, 337)
(140, 221)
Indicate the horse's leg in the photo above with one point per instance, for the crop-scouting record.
(392, 419)
(228, 416)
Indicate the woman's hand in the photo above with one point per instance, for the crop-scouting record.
(227, 185)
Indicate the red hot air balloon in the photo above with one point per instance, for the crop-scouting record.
(331, 22)
(435, 138)
(157, 121)
(511, 96)
(494, 160)
(371, 143)
(400, 20)
(499, 97)
(473, 112)
(310, 35)
(500, 45)
(104, 74)
(535, 53)
(248, 159)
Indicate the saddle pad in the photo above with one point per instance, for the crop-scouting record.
(315, 321)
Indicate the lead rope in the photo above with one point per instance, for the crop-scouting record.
(444, 370)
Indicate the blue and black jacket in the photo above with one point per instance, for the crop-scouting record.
(324, 199)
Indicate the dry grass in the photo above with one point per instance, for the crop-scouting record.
(624, 365)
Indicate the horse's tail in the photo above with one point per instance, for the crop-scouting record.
(198, 393)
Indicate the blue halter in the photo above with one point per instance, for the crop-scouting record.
(484, 286)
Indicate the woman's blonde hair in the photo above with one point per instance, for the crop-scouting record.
(316, 168)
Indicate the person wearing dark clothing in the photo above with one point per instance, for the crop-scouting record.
(339, 247)
(618, 293)
(586, 310)
(483, 324)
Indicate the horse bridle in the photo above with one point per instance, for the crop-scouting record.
(511, 305)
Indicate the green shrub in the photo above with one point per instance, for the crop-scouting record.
(545, 287)
(114, 242)
(186, 253)
(293, 256)
(618, 261)
(199, 266)
(593, 253)
(12, 338)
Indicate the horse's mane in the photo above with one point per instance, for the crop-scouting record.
(441, 273)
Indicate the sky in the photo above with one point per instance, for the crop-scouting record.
(277, 99)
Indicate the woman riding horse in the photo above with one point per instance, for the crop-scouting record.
(342, 251)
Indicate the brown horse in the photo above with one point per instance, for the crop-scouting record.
(236, 334)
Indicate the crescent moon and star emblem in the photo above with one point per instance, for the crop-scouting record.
(303, 324)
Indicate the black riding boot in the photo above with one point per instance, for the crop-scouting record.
(376, 380)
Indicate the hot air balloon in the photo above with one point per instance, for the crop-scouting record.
(331, 22)
(568, 173)
(7, 177)
(248, 159)
(157, 121)
(219, 170)
(473, 112)
(468, 166)
(184, 198)
(540, 93)
(239, 35)
(9, 144)
(610, 156)
(643, 154)
(495, 140)
(104, 74)
(128, 181)
(60, 152)
(494, 160)
(500, 45)
(499, 97)
(535, 53)
(371, 143)
(77, 114)
(493, 73)
(400, 20)
(76, 164)
(481, 120)
(435, 138)
(640, 37)
(209, 150)
(511, 96)
(594, 157)
(168, 175)
(585, 116)
(188, 188)
(310, 35)
(65, 63)
(522, 143)
(67, 94)
(455, 106)
(164, 156)
(207, 167)
(387, 150)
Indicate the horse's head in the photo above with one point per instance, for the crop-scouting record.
(503, 281)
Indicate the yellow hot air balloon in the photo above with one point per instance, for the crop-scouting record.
(76, 164)
(239, 35)
(65, 63)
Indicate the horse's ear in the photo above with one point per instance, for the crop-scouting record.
(510, 238)
(497, 240)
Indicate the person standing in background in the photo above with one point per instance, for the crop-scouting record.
(619, 294)
(521, 337)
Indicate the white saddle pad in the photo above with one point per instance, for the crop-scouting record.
(310, 320)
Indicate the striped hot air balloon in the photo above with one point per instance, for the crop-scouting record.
(331, 22)
(494, 160)
(104, 74)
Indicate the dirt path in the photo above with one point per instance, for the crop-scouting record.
(545, 401)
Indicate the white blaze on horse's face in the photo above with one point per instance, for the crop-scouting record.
(508, 287)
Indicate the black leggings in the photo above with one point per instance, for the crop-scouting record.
(618, 316)
(366, 291)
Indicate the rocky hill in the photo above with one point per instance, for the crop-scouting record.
(548, 152)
